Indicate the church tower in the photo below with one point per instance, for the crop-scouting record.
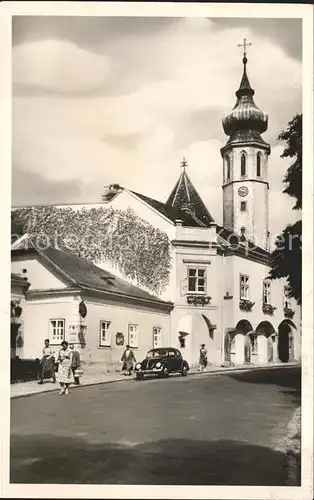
(245, 167)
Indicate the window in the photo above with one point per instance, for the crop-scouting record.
(243, 206)
(133, 335)
(287, 301)
(243, 165)
(244, 287)
(57, 328)
(228, 168)
(156, 337)
(258, 165)
(105, 334)
(266, 292)
(196, 280)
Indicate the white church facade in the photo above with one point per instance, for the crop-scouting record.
(218, 287)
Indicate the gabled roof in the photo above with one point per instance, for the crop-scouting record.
(231, 241)
(185, 196)
(171, 213)
(82, 273)
(18, 280)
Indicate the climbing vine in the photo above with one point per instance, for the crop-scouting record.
(138, 250)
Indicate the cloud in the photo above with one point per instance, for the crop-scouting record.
(58, 66)
(27, 186)
(284, 32)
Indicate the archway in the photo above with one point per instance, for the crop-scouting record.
(241, 343)
(286, 337)
(195, 329)
(266, 342)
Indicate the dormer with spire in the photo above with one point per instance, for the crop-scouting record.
(185, 197)
(245, 165)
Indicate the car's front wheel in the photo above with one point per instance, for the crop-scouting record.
(165, 371)
(184, 371)
(139, 376)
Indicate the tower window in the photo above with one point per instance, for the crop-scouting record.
(228, 168)
(243, 165)
(266, 291)
(243, 206)
(287, 300)
(258, 165)
(244, 287)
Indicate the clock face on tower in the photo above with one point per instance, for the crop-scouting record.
(243, 191)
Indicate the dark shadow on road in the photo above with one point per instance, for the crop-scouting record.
(287, 380)
(61, 460)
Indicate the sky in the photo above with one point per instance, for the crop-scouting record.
(100, 100)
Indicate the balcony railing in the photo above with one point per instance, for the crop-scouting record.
(246, 305)
(268, 309)
(288, 312)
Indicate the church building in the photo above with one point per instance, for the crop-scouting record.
(218, 283)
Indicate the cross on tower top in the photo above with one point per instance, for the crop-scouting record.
(184, 163)
(244, 45)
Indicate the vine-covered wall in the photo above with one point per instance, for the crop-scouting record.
(138, 250)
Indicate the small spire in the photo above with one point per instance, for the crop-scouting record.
(245, 84)
(244, 45)
(184, 163)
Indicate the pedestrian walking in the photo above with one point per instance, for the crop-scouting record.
(64, 367)
(47, 364)
(75, 364)
(128, 360)
(203, 358)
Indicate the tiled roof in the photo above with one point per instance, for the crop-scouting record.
(254, 250)
(19, 278)
(184, 194)
(81, 272)
(171, 213)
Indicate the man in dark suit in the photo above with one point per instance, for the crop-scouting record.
(128, 360)
(75, 363)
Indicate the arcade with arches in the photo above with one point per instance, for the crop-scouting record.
(260, 345)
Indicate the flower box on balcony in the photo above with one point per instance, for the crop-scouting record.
(288, 312)
(201, 300)
(268, 309)
(246, 305)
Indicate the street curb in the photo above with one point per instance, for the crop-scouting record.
(209, 372)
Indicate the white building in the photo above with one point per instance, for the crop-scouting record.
(218, 279)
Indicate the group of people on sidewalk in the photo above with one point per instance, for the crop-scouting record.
(66, 364)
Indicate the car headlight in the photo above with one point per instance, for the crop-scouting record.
(158, 364)
(138, 366)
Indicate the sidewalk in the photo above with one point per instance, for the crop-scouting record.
(93, 376)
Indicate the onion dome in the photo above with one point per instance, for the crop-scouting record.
(245, 121)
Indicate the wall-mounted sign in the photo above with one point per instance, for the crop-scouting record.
(119, 338)
(243, 191)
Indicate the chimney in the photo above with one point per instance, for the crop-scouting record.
(110, 192)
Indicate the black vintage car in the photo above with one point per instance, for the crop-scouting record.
(162, 362)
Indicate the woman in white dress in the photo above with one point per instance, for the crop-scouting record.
(64, 367)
